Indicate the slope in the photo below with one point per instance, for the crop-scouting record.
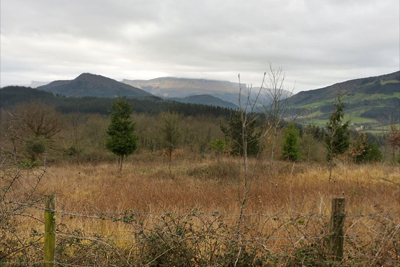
(88, 84)
(205, 100)
(371, 102)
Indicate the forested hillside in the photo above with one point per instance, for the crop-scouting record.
(369, 102)
(14, 95)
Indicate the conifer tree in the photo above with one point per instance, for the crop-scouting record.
(218, 146)
(362, 151)
(337, 136)
(234, 136)
(121, 140)
(171, 133)
(290, 146)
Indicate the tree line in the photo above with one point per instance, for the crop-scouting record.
(36, 129)
(11, 96)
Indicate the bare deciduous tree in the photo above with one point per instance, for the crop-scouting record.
(246, 180)
(248, 115)
(74, 122)
(394, 140)
(38, 120)
(18, 186)
(273, 89)
(171, 133)
(31, 128)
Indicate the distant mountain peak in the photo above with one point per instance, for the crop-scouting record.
(87, 75)
(87, 84)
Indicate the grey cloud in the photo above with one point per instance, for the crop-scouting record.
(315, 42)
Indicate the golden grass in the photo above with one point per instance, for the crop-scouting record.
(150, 187)
(282, 190)
(147, 186)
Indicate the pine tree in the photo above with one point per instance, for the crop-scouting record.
(337, 136)
(218, 146)
(234, 136)
(290, 147)
(171, 132)
(121, 140)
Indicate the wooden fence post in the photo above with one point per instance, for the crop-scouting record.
(49, 236)
(337, 229)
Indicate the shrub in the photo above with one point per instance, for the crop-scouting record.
(290, 146)
(373, 154)
(219, 171)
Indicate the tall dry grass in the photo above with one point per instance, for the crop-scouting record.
(209, 186)
(212, 186)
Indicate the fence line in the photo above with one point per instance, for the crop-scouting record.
(94, 238)
(335, 232)
(279, 215)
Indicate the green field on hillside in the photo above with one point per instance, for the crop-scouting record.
(352, 98)
(357, 97)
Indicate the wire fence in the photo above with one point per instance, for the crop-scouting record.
(194, 238)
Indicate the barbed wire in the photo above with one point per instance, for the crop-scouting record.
(273, 235)
(75, 265)
(98, 238)
(234, 240)
(72, 265)
(19, 263)
(22, 234)
(196, 213)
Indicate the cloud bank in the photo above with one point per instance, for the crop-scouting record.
(316, 43)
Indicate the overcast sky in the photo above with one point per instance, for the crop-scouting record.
(316, 42)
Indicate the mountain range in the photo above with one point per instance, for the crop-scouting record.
(370, 102)
(196, 91)
(176, 88)
(88, 84)
(181, 87)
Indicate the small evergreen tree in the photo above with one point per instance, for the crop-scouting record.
(218, 146)
(337, 136)
(35, 147)
(362, 151)
(121, 140)
(374, 154)
(171, 132)
(234, 136)
(290, 147)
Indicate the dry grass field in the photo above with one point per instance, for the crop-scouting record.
(286, 214)
(209, 186)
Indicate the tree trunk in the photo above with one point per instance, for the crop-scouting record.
(120, 162)
(273, 144)
(169, 163)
